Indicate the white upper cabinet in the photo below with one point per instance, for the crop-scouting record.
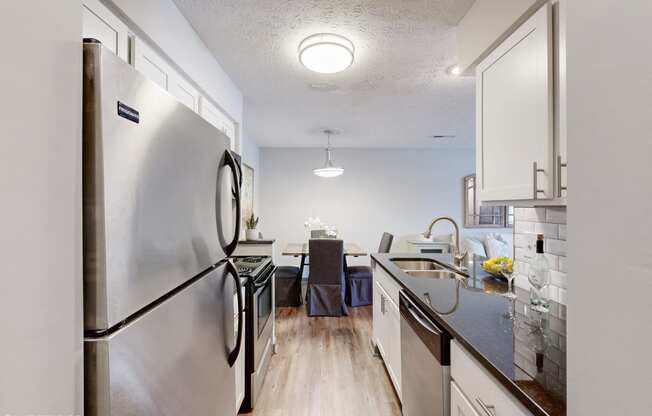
(213, 115)
(99, 23)
(102, 24)
(515, 131)
(156, 68)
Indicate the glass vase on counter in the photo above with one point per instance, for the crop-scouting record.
(539, 278)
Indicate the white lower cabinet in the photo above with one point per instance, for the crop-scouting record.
(387, 332)
(480, 389)
(460, 405)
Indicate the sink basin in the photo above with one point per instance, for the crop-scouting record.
(425, 268)
(417, 265)
(435, 274)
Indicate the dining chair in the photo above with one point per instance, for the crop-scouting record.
(359, 281)
(288, 286)
(326, 289)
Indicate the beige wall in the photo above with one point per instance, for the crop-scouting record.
(40, 226)
(609, 207)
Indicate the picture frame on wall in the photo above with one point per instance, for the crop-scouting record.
(247, 193)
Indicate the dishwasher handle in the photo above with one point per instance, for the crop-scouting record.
(435, 338)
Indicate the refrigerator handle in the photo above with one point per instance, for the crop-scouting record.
(230, 161)
(233, 272)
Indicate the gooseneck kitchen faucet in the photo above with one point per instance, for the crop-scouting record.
(459, 257)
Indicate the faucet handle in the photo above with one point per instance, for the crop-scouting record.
(459, 258)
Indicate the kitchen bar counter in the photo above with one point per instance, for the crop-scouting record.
(474, 313)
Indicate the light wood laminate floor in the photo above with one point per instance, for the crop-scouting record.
(325, 367)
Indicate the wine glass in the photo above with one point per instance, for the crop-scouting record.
(508, 273)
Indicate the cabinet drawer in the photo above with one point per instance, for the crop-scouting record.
(387, 283)
(460, 405)
(479, 385)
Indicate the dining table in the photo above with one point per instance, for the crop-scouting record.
(301, 250)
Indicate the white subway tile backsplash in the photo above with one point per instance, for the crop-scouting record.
(562, 232)
(521, 267)
(523, 227)
(558, 279)
(553, 293)
(548, 230)
(530, 214)
(557, 247)
(524, 240)
(551, 222)
(521, 281)
(523, 254)
(556, 215)
(562, 265)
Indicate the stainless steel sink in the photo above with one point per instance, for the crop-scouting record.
(428, 269)
(417, 264)
(436, 274)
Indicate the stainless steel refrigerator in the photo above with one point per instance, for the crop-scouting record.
(161, 215)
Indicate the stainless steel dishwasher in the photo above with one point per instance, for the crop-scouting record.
(425, 363)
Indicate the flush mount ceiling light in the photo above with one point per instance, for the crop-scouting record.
(329, 170)
(326, 53)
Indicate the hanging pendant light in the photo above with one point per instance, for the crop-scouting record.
(329, 170)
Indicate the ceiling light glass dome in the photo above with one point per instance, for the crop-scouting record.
(326, 53)
(328, 170)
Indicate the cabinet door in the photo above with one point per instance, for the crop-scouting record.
(213, 115)
(184, 92)
(150, 64)
(99, 23)
(156, 68)
(514, 110)
(394, 330)
(379, 323)
(561, 160)
(460, 406)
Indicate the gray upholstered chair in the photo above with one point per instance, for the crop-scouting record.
(359, 282)
(326, 289)
(288, 286)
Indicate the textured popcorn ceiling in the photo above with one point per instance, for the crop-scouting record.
(396, 94)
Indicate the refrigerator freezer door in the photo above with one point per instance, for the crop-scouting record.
(170, 361)
(152, 174)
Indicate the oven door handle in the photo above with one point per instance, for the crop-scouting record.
(233, 272)
(258, 285)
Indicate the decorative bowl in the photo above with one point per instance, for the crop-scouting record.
(495, 265)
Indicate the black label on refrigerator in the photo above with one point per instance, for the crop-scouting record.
(127, 112)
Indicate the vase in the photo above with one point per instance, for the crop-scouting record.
(251, 234)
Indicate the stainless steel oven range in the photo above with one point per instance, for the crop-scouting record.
(259, 306)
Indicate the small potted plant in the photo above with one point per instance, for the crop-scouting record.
(251, 222)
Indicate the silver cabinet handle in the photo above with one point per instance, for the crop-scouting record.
(487, 409)
(535, 181)
(560, 187)
(382, 304)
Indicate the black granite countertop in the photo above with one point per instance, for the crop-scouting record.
(514, 350)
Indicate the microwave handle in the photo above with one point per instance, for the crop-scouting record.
(233, 272)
